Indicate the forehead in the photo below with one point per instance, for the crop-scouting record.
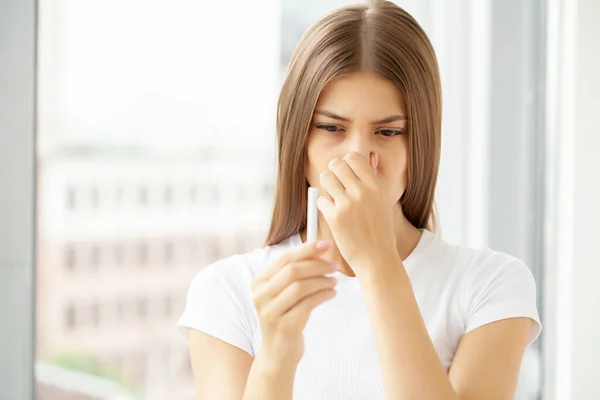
(361, 93)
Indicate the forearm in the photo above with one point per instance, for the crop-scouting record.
(410, 365)
(270, 380)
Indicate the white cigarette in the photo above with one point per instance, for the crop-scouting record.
(312, 215)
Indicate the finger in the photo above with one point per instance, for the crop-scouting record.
(331, 184)
(344, 174)
(299, 270)
(326, 206)
(360, 165)
(300, 312)
(305, 251)
(374, 160)
(296, 292)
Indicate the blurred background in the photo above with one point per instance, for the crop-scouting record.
(137, 145)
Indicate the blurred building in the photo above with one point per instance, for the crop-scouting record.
(120, 237)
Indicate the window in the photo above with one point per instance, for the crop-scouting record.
(71, 198)
(215, 248)
(241, 193)
(119, 254)
(168, 253)
(142, 196)
(119, 194)
(119, 310)
(142, 308)
(118, 363)
(168, 306)
(168, 195)
(139, 366)
(70, 317)
(214, 194)
(95, 257)
(143, 254)
(95, 197)
(241, 244)
(166, 356)
(95, 315)
(193, 194)
(70, 257)
(151, 127)
(193, 251)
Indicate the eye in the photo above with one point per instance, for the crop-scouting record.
(391, 132)
(329, 128)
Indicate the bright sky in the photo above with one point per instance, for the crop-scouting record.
(167, 74)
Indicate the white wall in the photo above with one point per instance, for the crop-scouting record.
(572, 279)
(586, 205)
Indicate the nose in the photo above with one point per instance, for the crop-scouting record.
(361, 144)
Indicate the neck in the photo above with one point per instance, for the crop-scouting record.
(407, 237)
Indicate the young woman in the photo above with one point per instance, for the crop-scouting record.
(380, 307)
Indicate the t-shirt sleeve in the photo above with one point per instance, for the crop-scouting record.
(503, 287)
(219, 304)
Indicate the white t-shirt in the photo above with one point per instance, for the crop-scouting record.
(457, 289)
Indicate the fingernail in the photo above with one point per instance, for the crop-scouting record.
(374, 159)
(323, 244)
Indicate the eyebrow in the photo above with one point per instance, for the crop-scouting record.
(386, 120)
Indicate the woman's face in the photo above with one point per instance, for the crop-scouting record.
(363, 113)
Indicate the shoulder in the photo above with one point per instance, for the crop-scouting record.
(491, 285)
(219, 298)
(472, 265)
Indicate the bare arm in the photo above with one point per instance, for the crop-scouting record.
(489, 358)
(225, 372)
(486, 364)
(410, 366)
(284, 296)
(220, 369)
(269, 381)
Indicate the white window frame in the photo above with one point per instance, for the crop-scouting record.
(18, 30)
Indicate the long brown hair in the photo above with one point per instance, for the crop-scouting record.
(378, 37)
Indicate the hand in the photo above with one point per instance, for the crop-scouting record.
(356, 211)
(286, 293)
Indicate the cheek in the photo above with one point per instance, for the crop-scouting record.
(317, 159)
(393, 174)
